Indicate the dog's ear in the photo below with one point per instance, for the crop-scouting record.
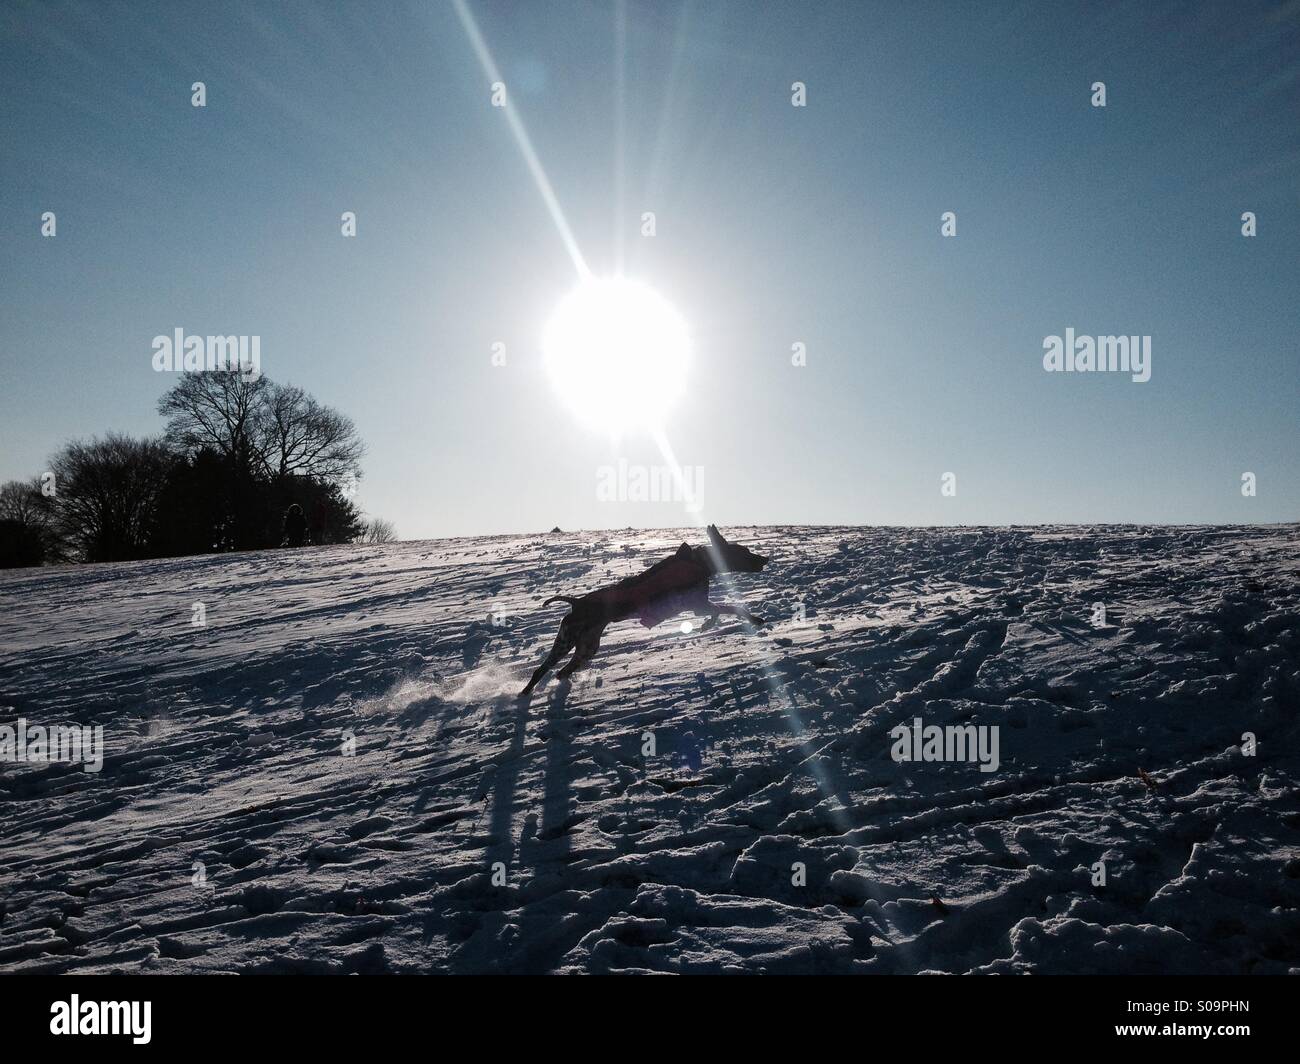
(715, 537)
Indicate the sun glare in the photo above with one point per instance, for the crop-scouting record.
(617, 354)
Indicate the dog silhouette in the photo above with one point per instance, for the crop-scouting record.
(679, 584)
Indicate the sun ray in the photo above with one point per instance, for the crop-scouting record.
(620, 133)
(521, 138)
(811, 757)
(651, 187)
(775, 686)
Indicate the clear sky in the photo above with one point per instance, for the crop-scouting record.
(775, 224)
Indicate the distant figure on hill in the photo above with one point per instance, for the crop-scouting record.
(295, 526)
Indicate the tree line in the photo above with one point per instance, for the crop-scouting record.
(237, 452)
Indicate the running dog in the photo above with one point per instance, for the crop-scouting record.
(675, 585)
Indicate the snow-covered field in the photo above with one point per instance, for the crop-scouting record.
(768, 830)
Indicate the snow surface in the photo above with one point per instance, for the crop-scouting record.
(225, 747)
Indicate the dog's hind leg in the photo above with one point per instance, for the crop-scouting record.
(564, 642)
(588, 644)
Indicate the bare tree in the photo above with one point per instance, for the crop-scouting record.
(272, 430)
(377, 530)
(107, 503)
(297, 436)
(219, 409)
(22, 501)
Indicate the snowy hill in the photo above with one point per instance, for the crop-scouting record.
(769, 830)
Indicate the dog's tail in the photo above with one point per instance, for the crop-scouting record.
(561, 598)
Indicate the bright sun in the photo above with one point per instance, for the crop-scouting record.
(617, 353)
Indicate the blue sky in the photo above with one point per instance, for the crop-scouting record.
(775, 224)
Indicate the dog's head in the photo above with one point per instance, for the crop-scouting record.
(727, 557)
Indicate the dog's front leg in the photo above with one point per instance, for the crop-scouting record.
(715, 608)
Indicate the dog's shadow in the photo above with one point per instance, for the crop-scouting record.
(557, 784)
(543, 843)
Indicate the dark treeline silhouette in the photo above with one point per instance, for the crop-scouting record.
(28, 533)
(238, 452)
